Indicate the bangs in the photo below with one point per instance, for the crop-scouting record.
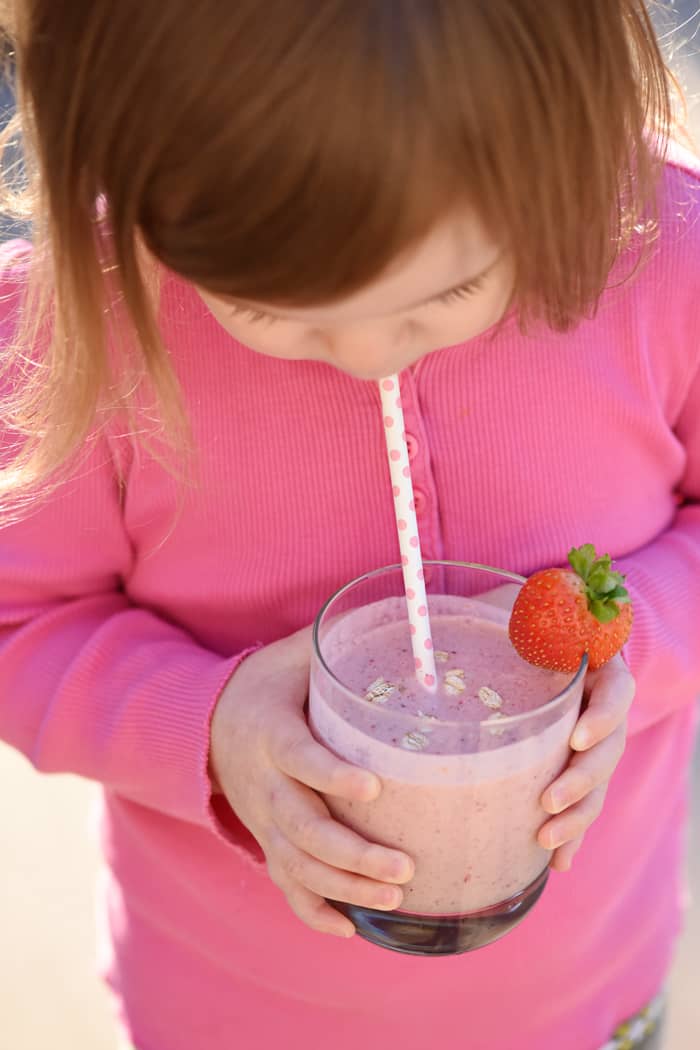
(298, 173)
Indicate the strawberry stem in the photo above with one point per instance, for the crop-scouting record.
(605, 588)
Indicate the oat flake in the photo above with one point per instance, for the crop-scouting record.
(414, 741)
(454, 682)
(379, 691)
(491, 698)
(496, 730)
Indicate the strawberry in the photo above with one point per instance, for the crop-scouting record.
(560, 614)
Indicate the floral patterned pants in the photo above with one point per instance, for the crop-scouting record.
(644, 1031)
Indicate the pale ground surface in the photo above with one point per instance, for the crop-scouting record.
(46, 894)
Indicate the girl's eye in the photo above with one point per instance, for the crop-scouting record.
(464, 292)
(256, 316)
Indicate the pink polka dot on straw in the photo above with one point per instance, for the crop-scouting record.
(428, 643)
(406, 470)
(412, 505)
(414, 629)
(410, 593)
(413, 541)
(422, 611)
(419, 663)
(395, 455)
(388, 421)
(388, 384)
(420, 574)
(403, 525)
(404, 560)
(396, 491)
(430, 679)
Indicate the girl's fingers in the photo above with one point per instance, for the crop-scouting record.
(293, 867)
(574, 822)
(562, 858)
(586, 771)
(611, 691)
(318, 914)
(298, 755)
(304, 820)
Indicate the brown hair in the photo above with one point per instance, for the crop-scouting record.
(288, 152)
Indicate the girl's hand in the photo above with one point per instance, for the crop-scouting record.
(578, 795)
(270, 768)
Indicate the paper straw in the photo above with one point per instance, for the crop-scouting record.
(409, 542)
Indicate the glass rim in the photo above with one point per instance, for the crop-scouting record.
(508, 720)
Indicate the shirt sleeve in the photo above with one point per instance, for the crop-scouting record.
(89, 683)
(663, 579)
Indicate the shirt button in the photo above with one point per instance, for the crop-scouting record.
(419, 500)
(412, 446)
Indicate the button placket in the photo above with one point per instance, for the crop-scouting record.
(424, 490)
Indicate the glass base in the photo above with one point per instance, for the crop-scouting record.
(401, 931)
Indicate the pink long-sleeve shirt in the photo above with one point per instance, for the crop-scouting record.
(127, 600)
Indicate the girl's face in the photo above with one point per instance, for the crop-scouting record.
(454, 285)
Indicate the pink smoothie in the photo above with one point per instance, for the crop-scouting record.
(462, 773)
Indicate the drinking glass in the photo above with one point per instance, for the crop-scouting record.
(462, 768)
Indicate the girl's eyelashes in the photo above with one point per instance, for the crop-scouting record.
(463, 292)
(454, 295)
(247, 312)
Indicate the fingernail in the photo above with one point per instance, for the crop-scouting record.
(346, 930)
(581, 739)
(556, 839)
(370, 787)
(389, 899)
(558, 800)
(401, 869)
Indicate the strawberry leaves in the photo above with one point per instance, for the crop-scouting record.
(605, 590)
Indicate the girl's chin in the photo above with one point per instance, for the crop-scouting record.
(381, 371)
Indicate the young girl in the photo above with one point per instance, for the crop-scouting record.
(244, 214)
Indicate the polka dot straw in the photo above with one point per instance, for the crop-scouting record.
(409, 543)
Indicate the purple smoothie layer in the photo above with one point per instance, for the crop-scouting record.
(470, 648)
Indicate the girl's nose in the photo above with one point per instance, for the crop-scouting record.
(371, 350)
